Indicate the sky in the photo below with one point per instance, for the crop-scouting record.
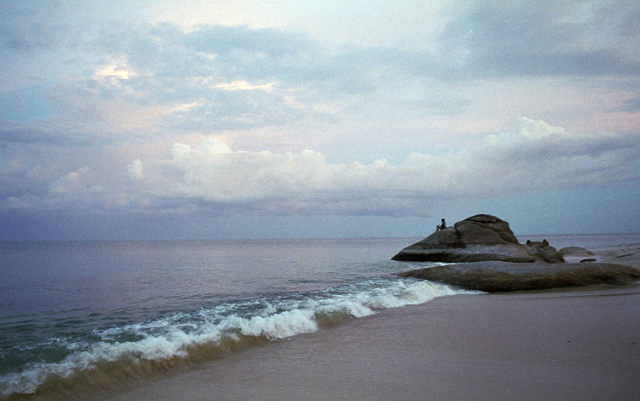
(253, 119)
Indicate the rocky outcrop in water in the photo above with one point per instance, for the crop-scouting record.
(493, 259)
(478, 238)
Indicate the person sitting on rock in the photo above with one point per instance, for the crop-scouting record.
(441, 226)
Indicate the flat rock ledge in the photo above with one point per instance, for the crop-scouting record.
(494, 276)
(470, 253)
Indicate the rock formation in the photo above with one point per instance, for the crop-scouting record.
(543, 252)
(478, 238)
(502, 277)
(488, 257)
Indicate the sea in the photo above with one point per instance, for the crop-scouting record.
(100, 314)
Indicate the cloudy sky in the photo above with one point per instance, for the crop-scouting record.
(158, 119)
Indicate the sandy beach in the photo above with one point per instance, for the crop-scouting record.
(578, 344)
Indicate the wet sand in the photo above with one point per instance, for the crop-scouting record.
(579, 344)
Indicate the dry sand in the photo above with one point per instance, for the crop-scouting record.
(580, 344)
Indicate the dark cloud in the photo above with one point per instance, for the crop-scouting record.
(629, 28)
(21, 31)
(533, 38)
(631, 105)
(14, 132)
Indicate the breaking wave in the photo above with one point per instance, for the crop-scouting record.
(108, 357)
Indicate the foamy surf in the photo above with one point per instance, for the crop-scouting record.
(117, 353)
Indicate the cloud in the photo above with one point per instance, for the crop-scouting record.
(537, 155)
(523, 38)
(213, 178)
(135, 171)
(241, 103)
(631, 105)
(29, 133)
(163, 79)
(148, 80)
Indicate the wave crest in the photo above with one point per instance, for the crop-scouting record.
(132, 351)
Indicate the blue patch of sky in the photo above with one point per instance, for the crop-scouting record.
(26, 104)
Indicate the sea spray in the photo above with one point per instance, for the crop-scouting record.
(134, 350)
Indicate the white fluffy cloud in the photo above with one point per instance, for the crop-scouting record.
(211, 177)
(134, 170)
(533, 155)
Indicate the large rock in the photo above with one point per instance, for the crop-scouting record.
(478, 238)
(501, 276)
(483, 229)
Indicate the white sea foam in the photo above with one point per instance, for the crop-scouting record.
(272, 318)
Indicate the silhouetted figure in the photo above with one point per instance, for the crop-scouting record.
(441, 226)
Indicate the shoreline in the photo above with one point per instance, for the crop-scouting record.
(582, 344)
(575, 344)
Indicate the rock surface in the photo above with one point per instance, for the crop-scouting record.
(502, 277)
(575, 251)
(577, 254)
(478, 238)
(543, 252)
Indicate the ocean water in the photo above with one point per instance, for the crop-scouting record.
(93, 313)
(82, 315)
